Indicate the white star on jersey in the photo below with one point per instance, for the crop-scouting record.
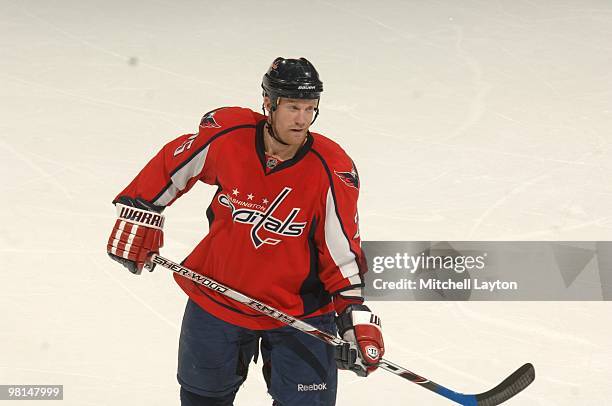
(235, 192)
(250, 196)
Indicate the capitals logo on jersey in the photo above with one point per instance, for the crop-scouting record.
(208, 121)
(349, 178)
(265, 220)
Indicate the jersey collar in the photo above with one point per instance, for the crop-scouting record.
(261, 151)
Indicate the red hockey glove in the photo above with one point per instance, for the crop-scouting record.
(137, 234)
(361, 328)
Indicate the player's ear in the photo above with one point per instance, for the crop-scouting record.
(267, 103)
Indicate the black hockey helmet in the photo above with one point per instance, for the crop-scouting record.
(293, 79)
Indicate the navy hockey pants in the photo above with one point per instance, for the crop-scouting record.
(214, 356)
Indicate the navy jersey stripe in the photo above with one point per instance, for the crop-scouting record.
(210, 214)
(312, 292)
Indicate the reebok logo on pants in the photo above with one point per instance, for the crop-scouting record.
(311, 387)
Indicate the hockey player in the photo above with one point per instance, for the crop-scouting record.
(283, 228)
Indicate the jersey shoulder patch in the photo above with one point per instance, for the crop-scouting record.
(226, 117)
(350, 178)
(337, 160)
(208, 120)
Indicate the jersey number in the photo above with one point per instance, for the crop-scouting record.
(185, 145)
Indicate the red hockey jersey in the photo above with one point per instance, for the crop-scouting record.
(286, 235)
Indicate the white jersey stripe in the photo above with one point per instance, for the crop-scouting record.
(357, 292)
(337, 244)
(181, 177)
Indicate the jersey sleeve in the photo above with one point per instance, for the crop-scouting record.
(174, 170)
(342, 262)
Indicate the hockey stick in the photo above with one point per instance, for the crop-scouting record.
(512, 385)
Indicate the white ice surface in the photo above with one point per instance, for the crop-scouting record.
(471, 120)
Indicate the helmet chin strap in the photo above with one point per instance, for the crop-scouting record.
(270, 127)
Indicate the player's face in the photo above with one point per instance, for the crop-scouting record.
(292, 119)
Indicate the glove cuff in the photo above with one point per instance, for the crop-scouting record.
(141, 217)
(345, 320)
